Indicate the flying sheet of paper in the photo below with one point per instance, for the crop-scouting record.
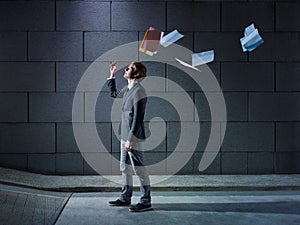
(249, 30)
(187, 65)
(251, 39)
(170, 38)
(202, 58)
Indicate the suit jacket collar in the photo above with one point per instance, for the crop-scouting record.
(129, 92)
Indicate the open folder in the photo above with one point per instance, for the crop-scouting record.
(203, 57)
(251, 39)
(186, 64)
(170, 38)
(199, 59)
(151, 41)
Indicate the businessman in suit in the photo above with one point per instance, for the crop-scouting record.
(132, 135)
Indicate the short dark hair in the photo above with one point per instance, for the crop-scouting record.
(140, 69)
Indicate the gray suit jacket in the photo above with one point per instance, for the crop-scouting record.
(133, 110)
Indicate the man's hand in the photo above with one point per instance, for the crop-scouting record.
(128, 146)
(113, 69)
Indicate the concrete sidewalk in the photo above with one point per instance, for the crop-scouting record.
(193, 208)
(159, 183)
(25, 206)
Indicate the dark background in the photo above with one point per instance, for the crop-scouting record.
(45, 46)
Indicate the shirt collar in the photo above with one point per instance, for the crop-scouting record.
(131, 85)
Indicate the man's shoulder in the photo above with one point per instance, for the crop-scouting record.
(140, 88)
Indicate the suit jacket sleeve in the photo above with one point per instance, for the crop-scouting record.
(114, 92)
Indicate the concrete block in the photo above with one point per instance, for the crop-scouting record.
(193, 16)
(287, 16)
(187, 82)
(27, 15)
(238, 15)
(236, 106)
(104, 133)
(14, 161)
(54, 107)
(202, 106)
(234, 162)
(151, 159)
(97, 164)
(287, 77)
(66, 140)
(121, 0)
(287, 162)
(260, 162)
(55, 46)
(137, 16)
(14, 107)
(98, 43)
(13, 46)
(287, 137)
(274, 106)
(174, 164)
(68, 76)
(83, 16)
(281, 47)
(187, 41)
(21, 76)
(69, 164)
(224, 0)
(170, 106)
(41, 163)
(247, 77)
(101, 112)
(27, 138)
(226, 45)
(185, 132)
(205, 131)
(182, 79)
(115, 165)
(213, 169)
(254, 137)
(166, 0)
(271, 0)
(156, 137)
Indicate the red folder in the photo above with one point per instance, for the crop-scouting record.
(151, 41)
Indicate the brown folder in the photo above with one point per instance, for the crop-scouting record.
(151, 41)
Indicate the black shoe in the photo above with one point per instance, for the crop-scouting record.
(140, 207)
(118, 202)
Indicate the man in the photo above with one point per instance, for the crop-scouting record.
(132, 135)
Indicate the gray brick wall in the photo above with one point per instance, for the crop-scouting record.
(46, 46)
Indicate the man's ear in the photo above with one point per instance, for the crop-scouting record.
(134, 74)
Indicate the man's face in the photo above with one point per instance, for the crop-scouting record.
(128, 71)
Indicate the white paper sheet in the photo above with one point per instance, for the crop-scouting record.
(187, 65)
(170, 38)
(202, 57)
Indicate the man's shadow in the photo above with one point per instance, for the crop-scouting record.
(258, 207)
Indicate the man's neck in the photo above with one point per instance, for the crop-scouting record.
(131, 82)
